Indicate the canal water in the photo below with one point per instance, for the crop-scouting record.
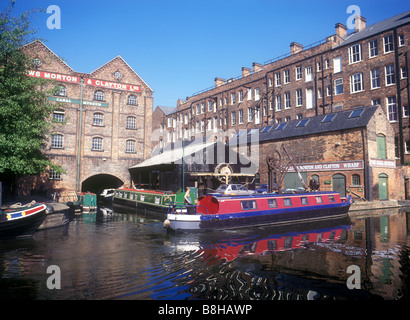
(119, 253)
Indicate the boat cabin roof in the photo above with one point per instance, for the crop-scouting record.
(274, 195)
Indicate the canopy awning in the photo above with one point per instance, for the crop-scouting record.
(173, 155)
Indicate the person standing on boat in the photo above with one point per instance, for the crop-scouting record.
(187, 196)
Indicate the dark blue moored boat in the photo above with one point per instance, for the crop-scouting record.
(221, 212)
(21, 221)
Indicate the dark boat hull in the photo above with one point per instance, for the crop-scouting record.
(22, 227)
(276, 218)
(256, 218)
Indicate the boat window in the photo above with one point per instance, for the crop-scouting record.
(272, 245)
(233, 187)
(287, 202)
(319, 199)
(272, 203)
(248, 248)
(331, 198)
(288, 242)
(248, 205)
(304, 200)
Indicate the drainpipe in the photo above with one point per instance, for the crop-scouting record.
(366, 176)
(323, 85)
(407, 83)
(399, 106)
(80, 134)
(315, 90)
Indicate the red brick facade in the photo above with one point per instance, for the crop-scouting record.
(115, 123)
(341, 72)
(327, 77)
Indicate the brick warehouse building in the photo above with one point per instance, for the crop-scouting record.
(106, 122)
(342, 72)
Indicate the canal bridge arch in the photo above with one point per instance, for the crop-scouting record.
(98, 182)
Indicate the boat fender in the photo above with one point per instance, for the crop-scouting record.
(166, 223)
(49, 210)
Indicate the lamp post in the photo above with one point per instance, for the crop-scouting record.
(80, 133)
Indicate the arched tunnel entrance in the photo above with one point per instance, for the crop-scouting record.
(99, 182)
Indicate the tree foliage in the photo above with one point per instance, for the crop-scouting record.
(24, 108)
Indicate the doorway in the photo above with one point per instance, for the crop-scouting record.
(383, 187)
(339, 184)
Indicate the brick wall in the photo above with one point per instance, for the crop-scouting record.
(321, 58)
(114, 129)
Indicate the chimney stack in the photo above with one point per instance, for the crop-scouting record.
(219, 82)
(295, 47)
(359, 23)
(341, 30)
(256, 67)
(245, 71)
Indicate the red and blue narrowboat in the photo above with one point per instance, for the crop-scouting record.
(221, 212)
(22, 221)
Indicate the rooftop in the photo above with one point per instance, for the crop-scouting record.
(388, 24)
(341, 120)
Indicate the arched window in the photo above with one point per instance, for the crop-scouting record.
(99, 95)
(97, 144)
(130, 146)
(98, 119)
(60, 90)
(57, 141)
(132, 100)
(131, 122)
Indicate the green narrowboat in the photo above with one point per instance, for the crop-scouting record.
(151, 199)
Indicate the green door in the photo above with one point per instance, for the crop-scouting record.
(383, 187)
(339, 184)
(381, 147)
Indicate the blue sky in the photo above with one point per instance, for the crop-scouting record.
(178, 47)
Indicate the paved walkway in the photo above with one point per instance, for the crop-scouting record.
(58, 207)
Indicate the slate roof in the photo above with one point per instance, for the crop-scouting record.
(167, 110)
(337, 121)
(388, 24)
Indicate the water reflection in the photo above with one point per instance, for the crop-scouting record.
(123, 254)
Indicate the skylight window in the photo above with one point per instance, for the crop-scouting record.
(329, 118)
(266, 129)
(302, 123)
(281, 126)
(241, 132)
(356, 113)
